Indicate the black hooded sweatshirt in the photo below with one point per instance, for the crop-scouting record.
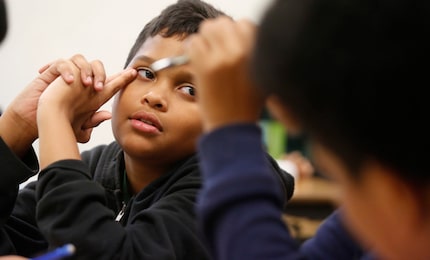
(84, 203)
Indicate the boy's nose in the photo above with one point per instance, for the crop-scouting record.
(155, 100)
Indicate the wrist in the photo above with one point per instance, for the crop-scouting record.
(55, 143)
(17, 133)
(53, 110)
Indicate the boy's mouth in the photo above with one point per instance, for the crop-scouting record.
(147, 118)
(146, 122)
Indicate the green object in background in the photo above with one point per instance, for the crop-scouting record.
(274, 137)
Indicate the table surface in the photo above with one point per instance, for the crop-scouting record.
(315, 190)
(313, 198)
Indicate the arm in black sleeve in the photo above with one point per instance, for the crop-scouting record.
(72, 209)
(18, 230)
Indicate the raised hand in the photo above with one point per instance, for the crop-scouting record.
(219, 57)
(92, 73)
(67, 112)
(18, 126)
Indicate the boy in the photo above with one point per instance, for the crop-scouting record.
(147, 180)
(134, 198)
(347, 74)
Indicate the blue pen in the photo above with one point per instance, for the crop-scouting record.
(59, 253)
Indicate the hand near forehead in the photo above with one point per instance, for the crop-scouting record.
(91, 73)
(219, 57)
(79, 103)
(67, 113)
(18, 126)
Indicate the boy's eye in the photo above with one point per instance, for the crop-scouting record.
(189, 90)
(146, 73)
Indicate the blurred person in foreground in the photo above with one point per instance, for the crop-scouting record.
(348, 75)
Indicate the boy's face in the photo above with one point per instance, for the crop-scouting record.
(156, 116)
(367, 204)
(376, 206)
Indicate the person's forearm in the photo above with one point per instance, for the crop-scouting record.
(56, 137)
(16, 134)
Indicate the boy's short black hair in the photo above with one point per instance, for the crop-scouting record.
(182, 19)
(354, 73)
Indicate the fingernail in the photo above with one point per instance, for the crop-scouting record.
(99, 85)
(89, 79)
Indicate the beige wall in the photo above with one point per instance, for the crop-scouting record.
(44, 30)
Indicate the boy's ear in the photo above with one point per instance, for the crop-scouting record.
(282, 113)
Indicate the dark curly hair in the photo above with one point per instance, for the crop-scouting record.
(182, 19)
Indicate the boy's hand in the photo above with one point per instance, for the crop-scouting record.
(79, 104)
(18, 126)
(219, 56)
(67, 113)
(84, 126)
(92, 73)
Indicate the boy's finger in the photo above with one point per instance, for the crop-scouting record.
(44, 67)
(85, 68)
(84, 135)
(55, 69)
(96, 119)
(99, 74)
(111, 77)
(246, 30)
(118, 82)
(195, 46)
